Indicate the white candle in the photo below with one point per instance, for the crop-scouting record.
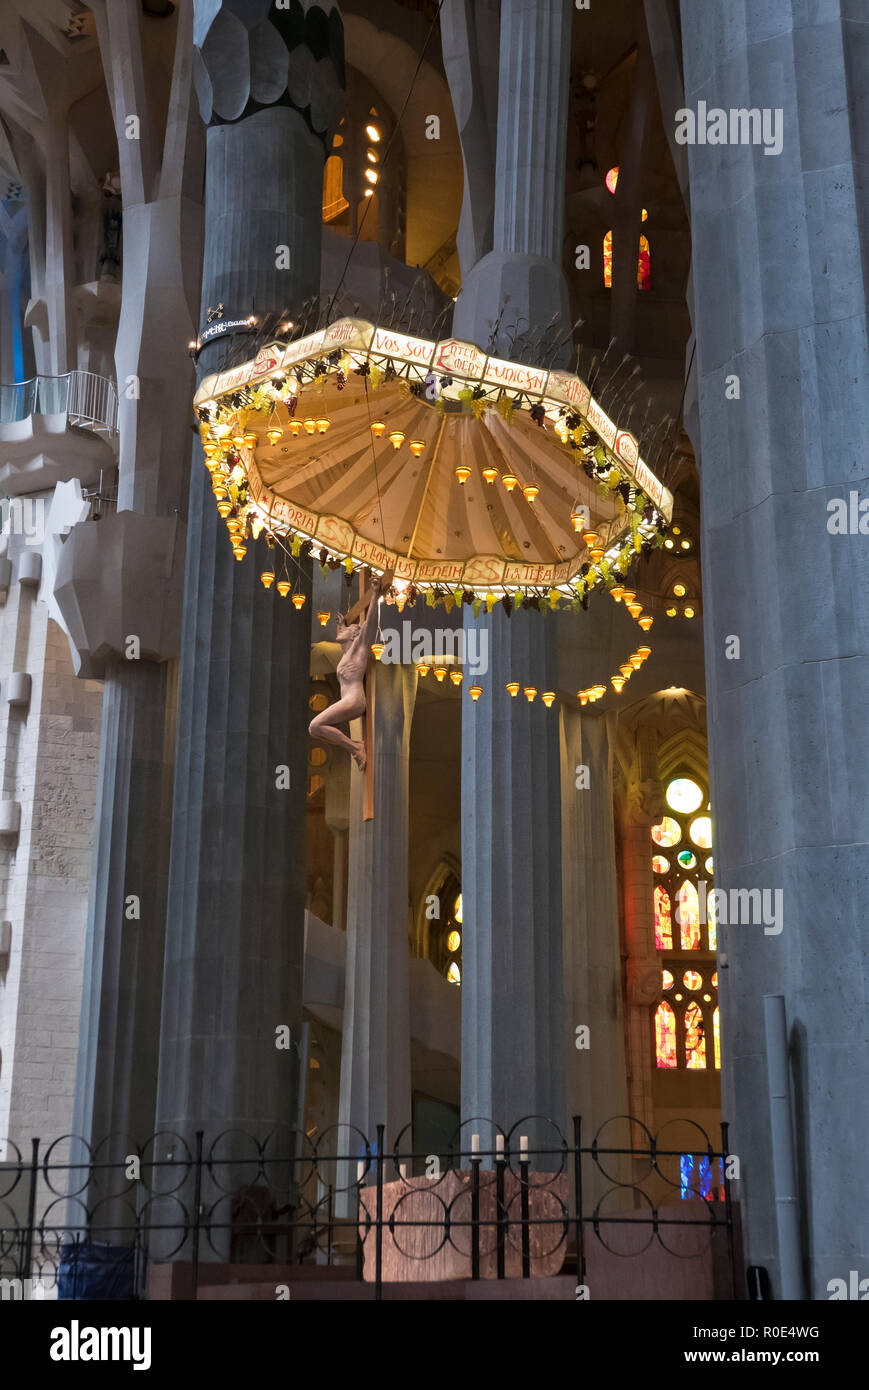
(475, 1143)
(402, 1168)
(499, 1148)
(360, 1170)
(523, 1148)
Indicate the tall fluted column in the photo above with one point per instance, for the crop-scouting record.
(512, 968)
(785, 567)
(375, 1048)
(592, 966)
(522, 274)
(235, 920)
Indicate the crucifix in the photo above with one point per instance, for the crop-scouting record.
(355, 634)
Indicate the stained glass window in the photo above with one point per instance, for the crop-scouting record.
(716, 1032)
(700, 831)
(644, 263)
(688, 916)
(663, 924)
(700, 1176)
(695, 1038)
(668, 832)
(679, 899)
(665, 1035)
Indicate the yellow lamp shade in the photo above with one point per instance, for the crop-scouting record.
(396, 438)
(475, 692)
(224, 506)
(416, 447)
(219, 489)
(530, 691)
(378, 649)
(510, 481)
(577, 520)
(377, 428)
(548, 698)
(627, 670)
(456, 677)
(530, 491)
(628, 596)
(274, 435)
(299, 600)
(295, 428)
(636, 661)
(617, 592)
(250, 441)
(583, 697)
(283, 587)
(440, 672)
(212, 450)
(590, 538)
(617, 683)
(513, 687)
(646, 622)
(597, 553)
(239, 551)
(267, 578)
(644, 652)
(490, 474)
(323, 424)
(323, 617)
(310, 425)
(635, 609)
(463, 473)
(423, 668)
(238, 441)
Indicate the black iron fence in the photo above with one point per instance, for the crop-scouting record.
(492, 1203)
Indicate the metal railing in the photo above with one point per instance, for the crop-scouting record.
(519, 1206)
(87, 399)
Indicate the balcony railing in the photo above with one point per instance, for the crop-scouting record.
(88, 400)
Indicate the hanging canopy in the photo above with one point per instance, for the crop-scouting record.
(300, 439)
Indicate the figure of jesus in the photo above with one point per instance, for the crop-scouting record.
(356, 640)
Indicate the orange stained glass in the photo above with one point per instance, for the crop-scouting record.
(663, 924)
(667, 832)
(665, 1035)
(688, 916)
(716, 1029)
(692, 979)
(660, 864)
(644, 263)
(695, 1040)
(711, 926)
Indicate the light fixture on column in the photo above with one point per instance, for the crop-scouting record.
(475, 691)
(323, 617)
(283, 587)
(440, 673)
(295, 428)
(378, 648)
(548, 698)
(274, 434)
(530, 490)
(310, 425)
(396, 438)
(377, 428)
(510, 481)
(416, 447)
(299, 601)
(530, 691)
(267, 578)
(635, 609)
(617, 592)
(513, 687)
(627, 670)
(646, 622)
(590, 538)
(322, 424)
(617, 683)
(490, 474)
(456, 677)
(463, 473)
(644, 652)
(422, 668)
(628, 596)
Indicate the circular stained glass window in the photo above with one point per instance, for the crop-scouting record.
(454, 974)
(683, 795)
(687, 859)
(692, 979)
(660, 864)
(709, 865)
(667, 833)
(454, 941)
(701, 832)
(714, 980)
(668, 979)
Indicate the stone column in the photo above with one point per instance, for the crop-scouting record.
(785, 236)
(375, 1049)
(512, 968)
(596, 1087)
(525, 260)
(235, 920)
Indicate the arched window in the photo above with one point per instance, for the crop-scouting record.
(685, 930)
(441, 924)
(665, 1035)
(334, 202)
